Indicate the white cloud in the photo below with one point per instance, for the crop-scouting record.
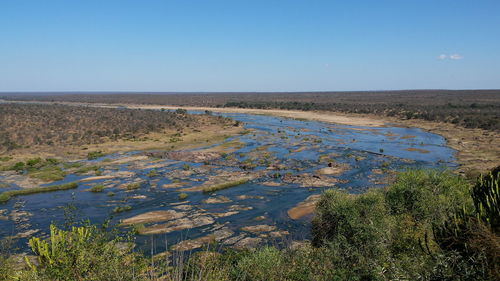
(456, 57)
(451, 57)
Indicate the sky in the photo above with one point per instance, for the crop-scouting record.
(252, 45)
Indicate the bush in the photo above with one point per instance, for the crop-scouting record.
(264, 264)
(354, 227)
(387, 233)
(121, 209)
(427, 195)
(94, 155)
(6, 261)
(474, 235)
(132, 186)
(84, 253)
(182, 196)
(152, 173)
(97, 188)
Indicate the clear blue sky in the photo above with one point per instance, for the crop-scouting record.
(253, 45)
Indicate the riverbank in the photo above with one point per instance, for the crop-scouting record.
(475, 148)
(68, 133)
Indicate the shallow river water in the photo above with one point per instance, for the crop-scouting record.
(284, 160)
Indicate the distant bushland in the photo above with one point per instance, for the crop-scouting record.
(467, 108)
(25, 126)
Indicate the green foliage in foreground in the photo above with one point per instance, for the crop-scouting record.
(225, 185)
(383, 234)
(82, 253)
(475, 234)
(5, 196)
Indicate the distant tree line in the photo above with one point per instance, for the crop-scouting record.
(467, 108)
(484, 116)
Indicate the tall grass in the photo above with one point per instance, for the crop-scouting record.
(5, 196)
(225, 185)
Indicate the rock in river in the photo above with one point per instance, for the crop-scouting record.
(305, 207)
(154, 216)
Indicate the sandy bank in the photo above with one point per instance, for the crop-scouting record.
(336, 118)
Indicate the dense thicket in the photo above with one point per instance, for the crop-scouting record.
(24, 125)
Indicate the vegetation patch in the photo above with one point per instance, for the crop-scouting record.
(97, 188)
(5, 196)
(57, 125)
(48, 173)
(152, 173)
(225, 185)
(132, 186)
(86, 169)
(182, 196)
(94, 155)
(120, 209)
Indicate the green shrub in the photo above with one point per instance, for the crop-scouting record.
(182, 196)
(33, 162)
(358, 220)
(121, 209)
(427, 195)
(152, 173)
(133, 185)
(97, 188)
(94, 155)
(262, 265)
(84, 253)
(110, 194)
(473, 236)
(7, 265)
(181, 111)
(486, 197)
(19, 166)
(355, 230)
